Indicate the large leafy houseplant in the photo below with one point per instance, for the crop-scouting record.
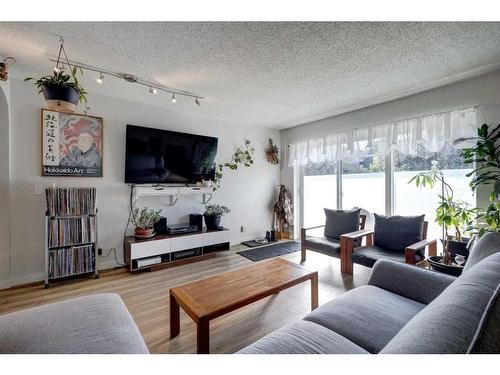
(451, 213)
(61, 90)
(485, 156)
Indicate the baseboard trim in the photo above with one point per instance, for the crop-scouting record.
(5, 284)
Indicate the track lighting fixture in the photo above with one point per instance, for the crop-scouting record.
(154, 87)
(100, 78)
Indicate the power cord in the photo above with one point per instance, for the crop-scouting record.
(113, 249)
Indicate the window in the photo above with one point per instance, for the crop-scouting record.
(363, 184)
(320, 191)
(410, 200)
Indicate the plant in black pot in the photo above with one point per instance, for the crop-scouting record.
(213, 214)
(452, 215)
(61, 91)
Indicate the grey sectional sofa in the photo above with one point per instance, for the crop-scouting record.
(98, 323)
(405, 309)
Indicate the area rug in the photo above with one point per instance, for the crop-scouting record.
(270, 251)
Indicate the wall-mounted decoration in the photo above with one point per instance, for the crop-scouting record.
(4, 72)
(72, 144)
(241, 157)
(272, 153)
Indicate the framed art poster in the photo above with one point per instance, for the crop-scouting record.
(71, 144)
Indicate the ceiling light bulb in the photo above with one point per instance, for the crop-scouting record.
(152, 90)
(197, 101)
(173, 98)
(100, 78)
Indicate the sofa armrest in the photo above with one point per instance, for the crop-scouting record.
(412, 282)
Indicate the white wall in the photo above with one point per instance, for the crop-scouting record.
(4, 183)
(482, 91)
(249, 192)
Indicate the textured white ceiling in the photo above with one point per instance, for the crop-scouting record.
(265, 74)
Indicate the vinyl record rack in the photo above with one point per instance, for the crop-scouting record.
(70, 234)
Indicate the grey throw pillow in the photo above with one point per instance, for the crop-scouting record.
(395, 233)
(339, 222)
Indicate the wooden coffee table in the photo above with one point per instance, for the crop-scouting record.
(215, 296)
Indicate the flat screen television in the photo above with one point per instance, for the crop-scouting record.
(154, 156)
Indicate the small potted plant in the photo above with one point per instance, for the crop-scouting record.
(144, 220)
(213, 214)
(61, 91)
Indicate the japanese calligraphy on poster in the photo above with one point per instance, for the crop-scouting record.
(71, 144)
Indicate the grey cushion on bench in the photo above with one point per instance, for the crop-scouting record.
(396, 233)
(324, 245)
(368, 255)
(450, 322)
(339, 222)
(303, 338)
(368, 316)
(98, 323)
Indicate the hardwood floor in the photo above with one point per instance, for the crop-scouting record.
(146, 295)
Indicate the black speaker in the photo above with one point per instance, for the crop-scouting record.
(161, 226)
(196, 219)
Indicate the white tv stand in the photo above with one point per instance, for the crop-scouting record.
(175, 249)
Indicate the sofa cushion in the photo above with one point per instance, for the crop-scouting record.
(324, 245)
(94, 324)
(368, 255)
(488, 244)
(303, 338)
(487, 338)
(368, 316)
(339, 222)
(449, 323)
(396, 233)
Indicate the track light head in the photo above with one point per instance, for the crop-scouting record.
(100, 78)
(174, 100)
(152, 90)
(197, 101)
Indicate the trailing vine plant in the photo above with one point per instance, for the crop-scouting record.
(241, 157)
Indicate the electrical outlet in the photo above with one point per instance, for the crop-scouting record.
(242, 229)
(99, 251)
(39, 189)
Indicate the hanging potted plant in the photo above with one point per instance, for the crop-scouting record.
(144, 220)
(62, 91)
(213, 214)
(455, 216)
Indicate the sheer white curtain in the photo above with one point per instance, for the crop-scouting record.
(415, 136)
